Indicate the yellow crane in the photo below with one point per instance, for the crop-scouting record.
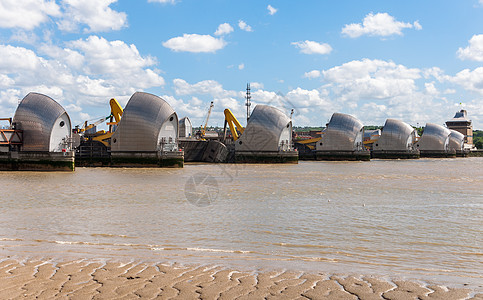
(235, 126)
(116, 113)
(203, 128)
(85, 127)
(103, 136)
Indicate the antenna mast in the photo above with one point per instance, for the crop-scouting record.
(248, 104)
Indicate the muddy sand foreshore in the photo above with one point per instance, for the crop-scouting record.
(91, 279)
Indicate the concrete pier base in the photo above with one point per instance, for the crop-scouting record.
(147, 159)
(266, 157)
(438, 154)
(393, 154)
(37, 161)
(343, 155)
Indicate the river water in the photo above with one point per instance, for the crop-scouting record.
(411, 219)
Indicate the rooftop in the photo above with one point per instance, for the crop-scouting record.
(460, 116)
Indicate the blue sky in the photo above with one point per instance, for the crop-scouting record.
(411, 60)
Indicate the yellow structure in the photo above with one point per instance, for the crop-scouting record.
(235, 126)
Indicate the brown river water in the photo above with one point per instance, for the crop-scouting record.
(412, 219)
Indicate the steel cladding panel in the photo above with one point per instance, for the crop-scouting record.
(185, 127)
(36, 115)
(435, 137)
(341, 133)
(263, 130)
(456, 140)
(141, 122)
(395, 136)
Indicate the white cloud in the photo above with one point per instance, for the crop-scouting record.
(9, 99)
(311, 47)
(27, 37)
(18, 58)
(244, 26)
(313, 74)
(371, 79)
(374, 90)
(474, 51)
(109, 57)
(197, 109)
(305, 100)
(380, 24)
(85, 116)
(193, 108)
(6, 81)
(195, 43)
(431, 89)
(241, 66)
(207, 87)
(68, 56)
(85, 73)
(223, 29)
(73, 108)
(417, 26)
(256, 85)
(96, 14)
(469, 80)
(271, 10)
(433, 72)
(26, 72)
(26, 14)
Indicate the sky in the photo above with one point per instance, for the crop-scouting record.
(417, 61)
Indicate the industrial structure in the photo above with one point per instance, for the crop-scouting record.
(396, 141)
(462, 124)
(147, 134)
(204, 146)
(39, 137)
(185, 128)
(434, 142)
(342, 140)
(92, 147)
(266, 138)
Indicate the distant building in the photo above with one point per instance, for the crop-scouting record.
(461, 124)
(185, 128)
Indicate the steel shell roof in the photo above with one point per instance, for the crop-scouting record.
(263, 130)
(435, 137)
(396, 135)
(456, 140)
(141, 123)
(342, 133)
(36, 116)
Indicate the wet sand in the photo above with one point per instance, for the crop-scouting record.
(91, 279)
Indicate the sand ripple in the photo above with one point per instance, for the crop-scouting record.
(82, 279)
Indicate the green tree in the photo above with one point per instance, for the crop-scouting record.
(478, 138)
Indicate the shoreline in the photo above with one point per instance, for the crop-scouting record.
(112, 278)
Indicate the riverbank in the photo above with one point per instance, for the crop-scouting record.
(47, 279)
